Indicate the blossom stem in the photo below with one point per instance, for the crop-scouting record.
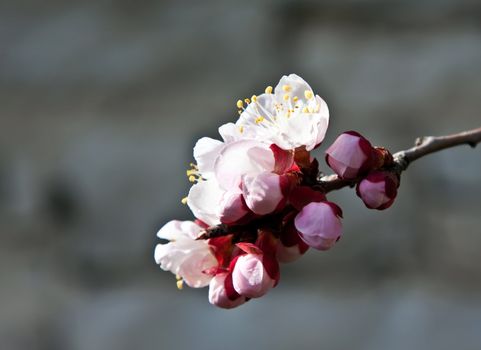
(423, 146)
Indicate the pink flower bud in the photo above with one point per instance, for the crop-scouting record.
(378, 190)
(350, 155)
(222, 294)
(319, 224)
(251, 277)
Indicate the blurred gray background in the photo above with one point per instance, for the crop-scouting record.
(100, 105)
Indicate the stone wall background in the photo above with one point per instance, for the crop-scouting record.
(100, 105)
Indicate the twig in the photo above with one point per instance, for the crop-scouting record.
(431, 144)
(423, 146)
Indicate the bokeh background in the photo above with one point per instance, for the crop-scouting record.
(100, 105)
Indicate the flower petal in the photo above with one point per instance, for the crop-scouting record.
(187, 258)
(323, 122)
(203, 199)
(176, 229)
(218, 293)
(293, 85)
(250, 277)
(262, 192)
(230, 132)
(350, 155)
(232, 207)
(319, 224)
(242, 157)
(206, 151)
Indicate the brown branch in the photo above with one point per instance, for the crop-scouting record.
(431, 144)
(423, 146)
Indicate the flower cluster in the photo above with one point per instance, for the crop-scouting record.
(258, 187)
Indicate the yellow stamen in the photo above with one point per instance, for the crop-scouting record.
(180, 284)
(286, 88)
(240, 104)
(268, 90)
(184, 201)
(308, 94)
(241, 129)
(295, 98)
(254, 98)
(192, 178)
(286, 97)
(247, 101)
(305, 110)
(191, 172)
(259, 120)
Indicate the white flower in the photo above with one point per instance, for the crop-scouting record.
(243, 173)
(183, 255)
(291, 117)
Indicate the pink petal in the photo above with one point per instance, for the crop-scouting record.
(319, 225)
(378, 190)
(263, 192)
(232, 207)
(349, 155)
(250, 278)
(218, 294)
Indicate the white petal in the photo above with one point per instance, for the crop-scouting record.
(206, 151)
(194, 266)
(302, 130)
(265, 106)
(323, 120)
(240, 158)
(176, 229)
(230, 132)
(187, 258)
(297, 87)
(204, 200)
